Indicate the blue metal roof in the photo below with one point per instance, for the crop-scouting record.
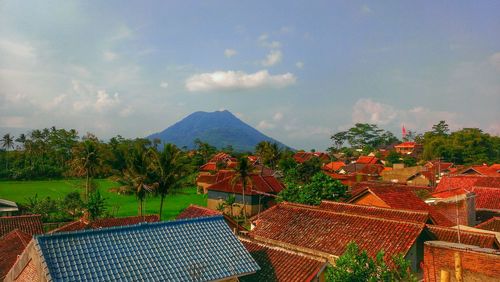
(199, 249)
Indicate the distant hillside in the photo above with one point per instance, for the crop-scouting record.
(219, 129)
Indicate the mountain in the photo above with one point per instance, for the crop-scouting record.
(219, 129)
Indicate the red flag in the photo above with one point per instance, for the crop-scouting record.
(404, 131)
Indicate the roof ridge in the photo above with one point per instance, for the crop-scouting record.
(130, 227)
(272, 246)
(379, 208)
(461, 230)
(357, 215)
(19, 216)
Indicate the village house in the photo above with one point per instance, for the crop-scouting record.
(194, 211)
(396, 197)
(260, 193)
(414, 175)
(480, 170)
(160, 251)
(7, 208)
(85, 223)
(333, 166)
(29, 224)
(409, 148)
(302, 157)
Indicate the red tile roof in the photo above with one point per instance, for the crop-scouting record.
(11, 246)
(221, 156)
(330, 232)
(487, 198)
(302, 157)
(333, 166)
(106, 222)
(210, 166)
(454, 182)
(447, 234)
(259, 183)
(402, 198)
(29, 224)
(406, 145)
(280, 264)
(493, 224)
(495, 166)
(194, 211)
(366, 160)
(481, 170)
(396, 214)
(450, 193)
(438, 165)
(214, 178)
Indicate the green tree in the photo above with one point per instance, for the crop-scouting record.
(7, 143)
(441, 128)
(136, 175)
(96, 205)
(321, 187)
(355, 265)
(86, 161)
(269, 153)
(242, 175)
(169, 169)
(72, 204)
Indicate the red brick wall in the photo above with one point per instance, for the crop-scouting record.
(476, 265)
(466, 211)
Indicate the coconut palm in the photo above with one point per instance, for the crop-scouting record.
(136, 174)
(86, 161)
(7, 143)
(169, 167)
(242, 175)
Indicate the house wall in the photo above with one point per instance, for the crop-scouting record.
(254, 203)
(370, 200)
(477, 264)
(34, 273)
(466, 209)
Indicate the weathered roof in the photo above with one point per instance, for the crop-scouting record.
(447, 234)
(467, 182)
(402, 198)
(11, 245)
(400, 175)
(330, 232)
(106, 222)
(492, 224)
(396, 214)
(481, 170)
(258, 184)
(29, 224)
(367, 160)
(280, 264)
(333, 166)
(200, 249)
(302, 157)
(8, 206)
(487, 198)
(194, 211)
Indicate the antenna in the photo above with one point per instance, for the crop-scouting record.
(458, 223)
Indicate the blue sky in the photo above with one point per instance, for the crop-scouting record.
(296, 70)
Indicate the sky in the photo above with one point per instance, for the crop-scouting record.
(298, 71)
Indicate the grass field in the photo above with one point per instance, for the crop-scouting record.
(119, 205)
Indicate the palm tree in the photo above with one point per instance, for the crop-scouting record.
(242, 175)
(169, 168)
(7, 143)
(86, 161)
(136, 174)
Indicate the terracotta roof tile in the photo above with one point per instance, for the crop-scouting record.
(366, 160)
(210, 166)
(333, 166)
(493, 224)
(402, 198)
(406, 145)
(279, 264)
(259, 183)
(221, 156)
(29, 224)
(395, 214)
(447, 234)
(302, 157)
(487, 198)
(106, 222)
(194, 211)
(11, 246)
(330, 232)
(467, 182)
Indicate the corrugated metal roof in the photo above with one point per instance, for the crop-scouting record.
(201, 249)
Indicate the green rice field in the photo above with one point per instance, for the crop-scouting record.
(119, 205)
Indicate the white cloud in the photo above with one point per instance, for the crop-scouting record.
(263, 124)
(16, 48)
(274, 57)
(264, 42)
(278, 116)
(299, 64)
(121, 33)
(164, 84)
(237, 80)
(230, 53)
(366, 110)
(365, 9)
(109, 56)
(495, 60)
(105, 101)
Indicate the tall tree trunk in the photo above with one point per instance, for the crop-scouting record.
(161, 204)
